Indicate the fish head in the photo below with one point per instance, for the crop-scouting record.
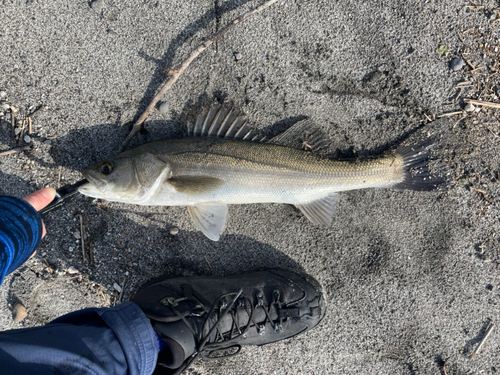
(125, 178)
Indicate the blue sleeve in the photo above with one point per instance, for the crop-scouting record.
(20, 233)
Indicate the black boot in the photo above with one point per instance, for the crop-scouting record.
(215, 316)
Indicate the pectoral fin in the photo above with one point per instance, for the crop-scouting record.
(210, 218)
(320, 212)
(195, 185)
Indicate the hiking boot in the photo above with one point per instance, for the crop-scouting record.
(214, 316)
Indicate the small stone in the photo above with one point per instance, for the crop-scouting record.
(238, 56)
(47, 142)
(2, 114)
(5, 106)
(19, 312)
(492, 16)
(72, 270)
(126, 273)
(117, 287)
(77, 235)
(17, 131)
(27, 139)
(456, 64)
(70, 249)
(163, 108)
(97, 5)
(174, 231)
(478, 109)
(469, 107)
(3, 94)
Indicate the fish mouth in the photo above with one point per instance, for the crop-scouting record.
(94, 188)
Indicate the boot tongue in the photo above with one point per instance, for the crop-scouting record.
(180, 343)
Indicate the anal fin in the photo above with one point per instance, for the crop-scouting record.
(320, 211)
(210, 218)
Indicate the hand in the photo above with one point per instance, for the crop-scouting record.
(39, 199)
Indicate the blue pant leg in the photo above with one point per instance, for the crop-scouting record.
(97, 341)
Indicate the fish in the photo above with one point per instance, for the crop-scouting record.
(222, 162)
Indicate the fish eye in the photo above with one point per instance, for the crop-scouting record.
(106, 168)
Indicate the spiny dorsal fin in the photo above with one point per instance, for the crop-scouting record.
(222, 124)
(304, 134)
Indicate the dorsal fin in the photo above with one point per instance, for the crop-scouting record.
(222, 124)
(304, 134)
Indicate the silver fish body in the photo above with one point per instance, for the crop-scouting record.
(206, 173)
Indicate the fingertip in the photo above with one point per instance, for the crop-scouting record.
(48, 193)
(41, 198)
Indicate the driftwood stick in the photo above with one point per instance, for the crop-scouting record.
(176, 73)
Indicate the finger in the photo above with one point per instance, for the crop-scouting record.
(41, 198)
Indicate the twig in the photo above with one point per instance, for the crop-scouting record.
(468, 62)
(206, 259)
(477, 68)
(444, 366)
(91, 253)
(121, 292)
(491, 131)
(30, 123)
(450, 114)
(104, 296)
(15, 150)
(483, 103)
(82, 234)
(479, 190)
(176, 73)
(13, 125)
(458, 94)
(486, 334)
(456, 123)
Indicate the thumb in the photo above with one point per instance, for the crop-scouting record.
(41, 198)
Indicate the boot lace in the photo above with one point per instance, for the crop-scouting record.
(223, 344)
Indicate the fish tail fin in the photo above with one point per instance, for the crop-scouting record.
(417, 173)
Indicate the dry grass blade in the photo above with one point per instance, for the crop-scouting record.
(482, 103)
(176, 73)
